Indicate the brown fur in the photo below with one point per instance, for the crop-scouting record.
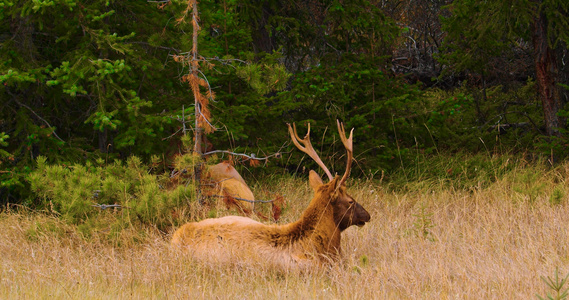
(231, 184)
(315, 237)
(224, 170)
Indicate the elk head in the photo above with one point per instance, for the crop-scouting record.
(347, 211)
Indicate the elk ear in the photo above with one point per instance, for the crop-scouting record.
(336, 184)
(314, 180)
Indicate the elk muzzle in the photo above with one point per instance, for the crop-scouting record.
(361, 216)
(348, 212)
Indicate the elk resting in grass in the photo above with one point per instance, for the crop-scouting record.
(314, 238)
(230, 184)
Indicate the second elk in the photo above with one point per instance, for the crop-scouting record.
(314, 239)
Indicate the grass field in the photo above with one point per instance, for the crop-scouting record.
(426, 240)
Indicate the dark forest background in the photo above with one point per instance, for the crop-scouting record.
(85, 81)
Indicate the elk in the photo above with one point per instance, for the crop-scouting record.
(231, 184)
(314, 239)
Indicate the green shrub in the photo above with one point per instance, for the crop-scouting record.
(106, 197)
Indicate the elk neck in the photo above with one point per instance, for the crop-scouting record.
(316, 224)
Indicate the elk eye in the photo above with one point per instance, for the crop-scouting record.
(351, 201)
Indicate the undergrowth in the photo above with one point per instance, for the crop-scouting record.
(113, 197)
(475, 171)
(109, 198)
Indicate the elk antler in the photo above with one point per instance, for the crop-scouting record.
(308, 149)
(348, 143)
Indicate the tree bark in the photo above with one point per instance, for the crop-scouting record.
(546, 77)
(105, 141)
(262, 40)
(562, 56)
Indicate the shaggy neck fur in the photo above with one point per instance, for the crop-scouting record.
(316, 230)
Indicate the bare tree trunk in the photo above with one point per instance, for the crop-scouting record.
(546, 75)
(105, 141)
(198, 130)
(262, 40)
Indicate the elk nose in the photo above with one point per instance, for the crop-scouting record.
(363, 216)
(362, 212)
(367, 217)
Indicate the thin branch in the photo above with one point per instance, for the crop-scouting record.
(105, 206)
(246, 200)
(333, 47)
(159, 47)
(252, 156)
(48, 125)
(173, 134)
(224, 61)
(208, 86)
(207, 121)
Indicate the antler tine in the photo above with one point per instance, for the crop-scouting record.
(308, 149)
(348, 143)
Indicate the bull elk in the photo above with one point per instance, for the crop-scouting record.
(313, 239)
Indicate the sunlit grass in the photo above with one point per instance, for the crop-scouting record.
(491, 241)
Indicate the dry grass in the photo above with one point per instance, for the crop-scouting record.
(491, 243)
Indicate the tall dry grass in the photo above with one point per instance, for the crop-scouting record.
(432, 242)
